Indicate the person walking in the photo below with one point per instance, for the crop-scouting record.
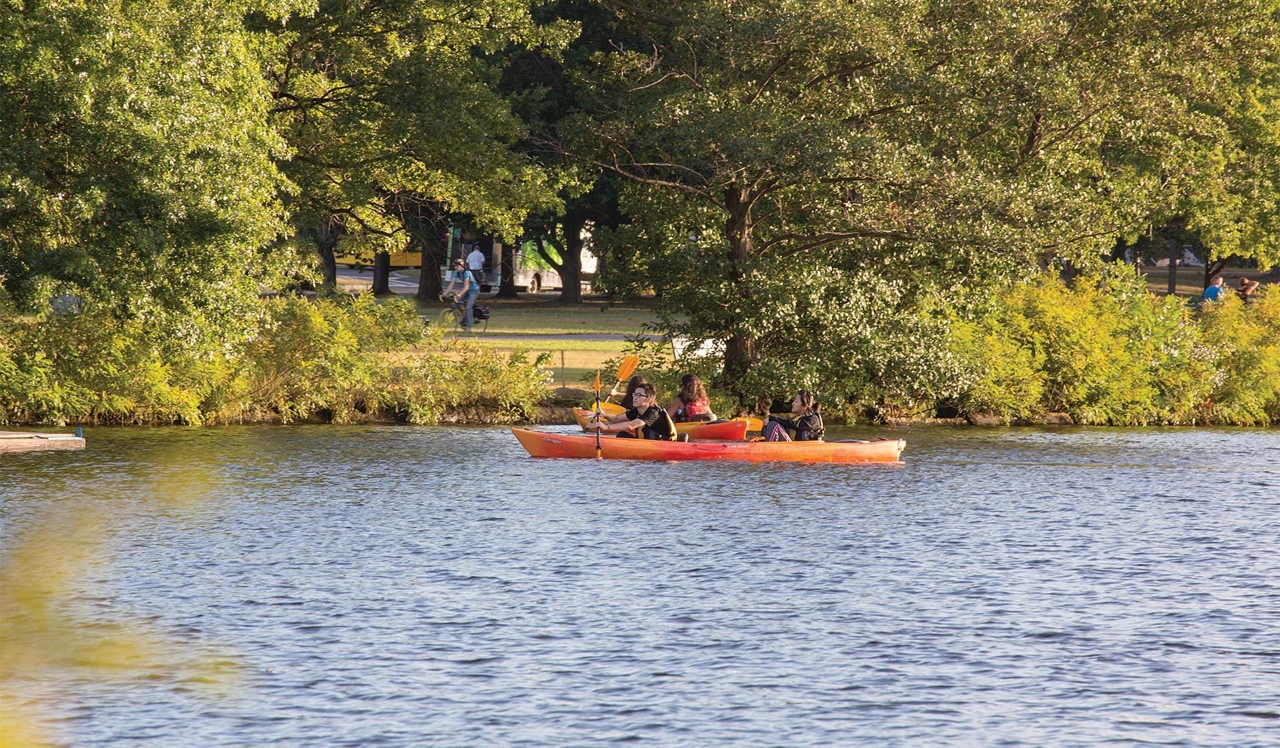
(475, 262)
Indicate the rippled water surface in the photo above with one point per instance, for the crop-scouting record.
(386, 586)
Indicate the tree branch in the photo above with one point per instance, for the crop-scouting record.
(821, 240)
(647, 15)
(777, 67)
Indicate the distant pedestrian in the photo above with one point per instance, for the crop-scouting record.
(475, 262)
(1215, 291)
(1246, 289)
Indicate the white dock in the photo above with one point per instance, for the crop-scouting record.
(13, 441)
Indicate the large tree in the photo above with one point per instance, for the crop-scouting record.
(790, 154)
(548, 92)
(397, 98)
(136, 161)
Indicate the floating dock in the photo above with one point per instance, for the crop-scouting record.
(13, 441)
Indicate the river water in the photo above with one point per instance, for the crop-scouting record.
(396, 586)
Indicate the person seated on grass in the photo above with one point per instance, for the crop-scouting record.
(691, 404)
(652, 421)
(1246, 289)
(807, 424)
(1215, 291)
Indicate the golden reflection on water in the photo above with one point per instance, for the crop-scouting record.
(45, 637)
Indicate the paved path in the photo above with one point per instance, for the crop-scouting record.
(363, 279)
(535, 337)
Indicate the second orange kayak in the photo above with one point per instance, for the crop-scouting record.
(733, 430)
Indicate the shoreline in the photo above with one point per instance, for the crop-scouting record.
(559, 412)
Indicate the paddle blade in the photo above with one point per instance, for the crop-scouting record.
(597, 382)
(628, 367)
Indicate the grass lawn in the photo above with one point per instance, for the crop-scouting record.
(1190, 280)
(573, 362)
(535, 316)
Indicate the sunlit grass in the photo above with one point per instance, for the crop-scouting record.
(549, 318)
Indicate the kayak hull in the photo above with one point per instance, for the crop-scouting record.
(544, 444)
(732, 430)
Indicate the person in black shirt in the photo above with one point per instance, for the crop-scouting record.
(643, 414)
(807, 424)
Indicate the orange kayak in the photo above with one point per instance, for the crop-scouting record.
(734, 430)
(544, 444)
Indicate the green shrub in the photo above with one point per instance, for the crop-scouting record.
(1241, 345)
(1007, 379)
(331, 359)
(1107, 352)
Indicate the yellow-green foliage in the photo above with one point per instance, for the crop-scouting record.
(1010, 383)
(90, 367)
(1244, 341)
(1106, 352)
(333, 360)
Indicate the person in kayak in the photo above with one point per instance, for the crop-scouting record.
(644, 414)
(691, 404)
(807, 424)
(632, 384)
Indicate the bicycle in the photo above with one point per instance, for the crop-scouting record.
(452, 317)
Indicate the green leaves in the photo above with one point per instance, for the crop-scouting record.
(136, 165)
(397, 97)
(951, 144)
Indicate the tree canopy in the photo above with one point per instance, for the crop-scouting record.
(806, 148)
(137, 164)
(782, 173)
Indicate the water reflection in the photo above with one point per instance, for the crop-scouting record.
(400, 586)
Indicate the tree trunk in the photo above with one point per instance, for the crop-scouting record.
(1211, 267)
(382, 274)
(570, 267)
(507, 285)
(740, 348)
(327, 234)
(429, 284)
(424, 237)
(1173, 265)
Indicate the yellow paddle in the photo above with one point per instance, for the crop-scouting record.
(625, 369)
(598, 413)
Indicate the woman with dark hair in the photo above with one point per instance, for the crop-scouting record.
(691, 404)
(807, 424)
(632, 384)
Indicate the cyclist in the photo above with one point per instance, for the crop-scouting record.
(470, 290)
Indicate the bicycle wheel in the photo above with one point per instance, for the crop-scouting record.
(448, 321)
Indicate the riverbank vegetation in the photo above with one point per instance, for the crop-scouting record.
(821, 194)
(1099, 350)
(331, 360)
